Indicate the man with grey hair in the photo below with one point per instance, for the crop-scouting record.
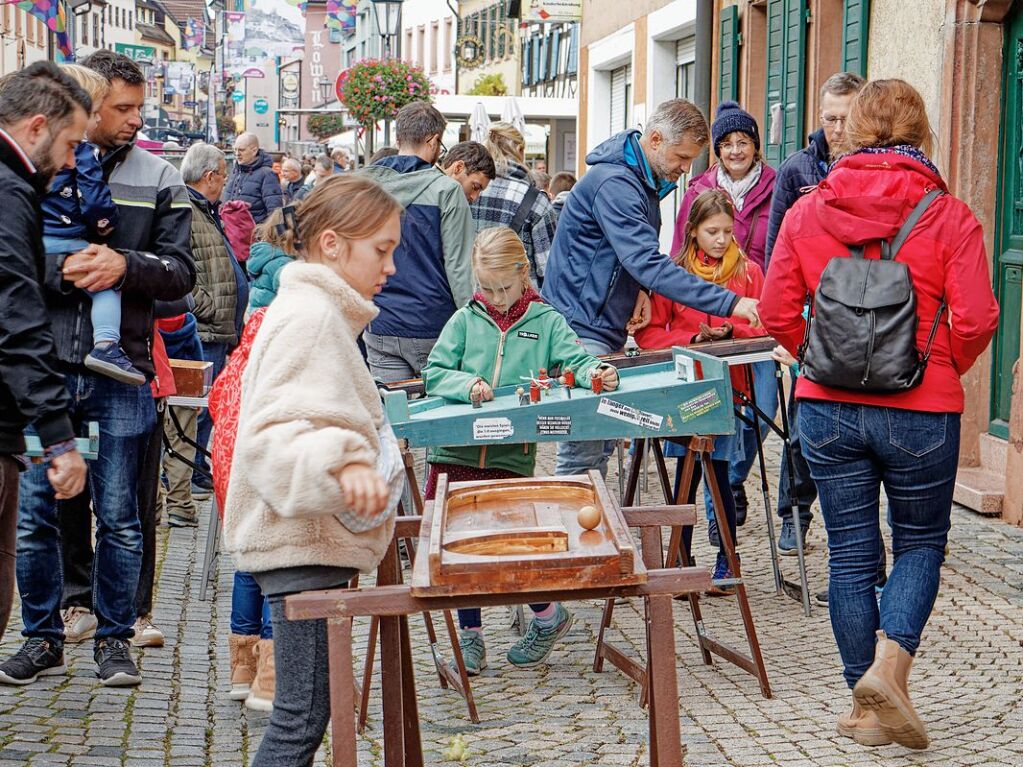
(434, 275)
(606, 251)
(253, 179)
(221, 294)
(291, 173)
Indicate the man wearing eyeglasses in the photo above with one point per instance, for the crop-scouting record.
(434, 273)
(803, 170)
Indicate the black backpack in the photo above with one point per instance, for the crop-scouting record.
(862, 335)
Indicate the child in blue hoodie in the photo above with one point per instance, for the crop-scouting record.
(79, 210)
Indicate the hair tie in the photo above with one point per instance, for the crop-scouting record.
(289, 223)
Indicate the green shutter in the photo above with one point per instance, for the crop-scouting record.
(728, 84)
(855, 24)
(786, 75)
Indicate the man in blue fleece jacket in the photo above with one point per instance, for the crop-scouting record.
(607, 247)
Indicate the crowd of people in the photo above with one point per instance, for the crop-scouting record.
(305, 289)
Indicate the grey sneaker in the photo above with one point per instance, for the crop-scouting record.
(474, 651)
(538, 642)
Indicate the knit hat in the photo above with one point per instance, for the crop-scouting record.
(731, 118)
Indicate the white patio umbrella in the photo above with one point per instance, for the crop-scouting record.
(479, 123)
(512, 113)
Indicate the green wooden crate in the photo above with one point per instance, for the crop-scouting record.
(87, 446)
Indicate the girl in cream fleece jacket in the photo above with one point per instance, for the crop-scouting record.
(316, 474)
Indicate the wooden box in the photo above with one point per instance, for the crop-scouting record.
(521, 535)
(192, 378)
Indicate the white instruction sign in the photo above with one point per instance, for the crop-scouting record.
(492, 429)
(629, 414)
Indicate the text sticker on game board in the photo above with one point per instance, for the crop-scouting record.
(492, 429)
(628, 414)
(699, 405)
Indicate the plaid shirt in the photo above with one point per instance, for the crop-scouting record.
(497, 207)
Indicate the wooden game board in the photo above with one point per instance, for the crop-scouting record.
(519, 535)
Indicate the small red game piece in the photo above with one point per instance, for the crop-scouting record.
(569, 378)
(596, 382)
(534, 391)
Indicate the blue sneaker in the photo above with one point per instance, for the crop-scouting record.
(538, 641)
(110, 360)
(722, 572)
(474, 652)
(787, 538)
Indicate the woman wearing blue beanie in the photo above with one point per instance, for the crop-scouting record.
(742, 173)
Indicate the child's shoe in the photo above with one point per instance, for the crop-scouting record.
(721, 572)
(539, 640)
(474, 651)
(261, 694)
(109, 359)
(243, 664)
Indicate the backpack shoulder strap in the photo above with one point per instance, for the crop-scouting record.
(523, 211)
(907, 226)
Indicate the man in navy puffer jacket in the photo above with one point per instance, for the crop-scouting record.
(253, 179)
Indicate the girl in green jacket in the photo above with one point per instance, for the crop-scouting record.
(504, 334)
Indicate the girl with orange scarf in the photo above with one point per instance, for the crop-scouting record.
(710, 252)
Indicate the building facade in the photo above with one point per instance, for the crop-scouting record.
(22, 38)
(428, 40)
(966, 59)
(488, 44)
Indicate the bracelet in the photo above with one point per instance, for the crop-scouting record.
(59, 449)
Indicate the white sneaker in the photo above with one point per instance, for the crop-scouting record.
(79, 624)
(146, 634)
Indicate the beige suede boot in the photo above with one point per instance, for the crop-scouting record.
(884, 689)
(863, 727)
(261, 695)
(243, 664)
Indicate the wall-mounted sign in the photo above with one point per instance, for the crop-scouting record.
(254, 72)
(261, 106)
(553, 10)
(238, 97)
(143, 54)
(470, 51)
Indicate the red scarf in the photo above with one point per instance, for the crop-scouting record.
(517, 311)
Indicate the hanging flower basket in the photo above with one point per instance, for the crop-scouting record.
(375, 90)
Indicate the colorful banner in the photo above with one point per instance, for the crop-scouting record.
(194, 35)
(51, 13)
(341, 15)
(235, 23)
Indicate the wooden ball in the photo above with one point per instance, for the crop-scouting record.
(588, 517)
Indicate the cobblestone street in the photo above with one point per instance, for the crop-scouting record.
(967, 681)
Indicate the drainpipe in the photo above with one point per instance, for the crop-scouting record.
(458, 29)
(704, 63)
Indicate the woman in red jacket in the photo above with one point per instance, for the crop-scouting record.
(855, 441)
(708, 249)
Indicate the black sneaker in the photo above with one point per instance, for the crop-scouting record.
(110, 360)
(116, 668)
(37, 657)
(712, 533)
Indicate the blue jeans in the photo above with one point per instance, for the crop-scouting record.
(852, 450)
(126, 417)
(580, 457)
(250, 610)
(396, 358)
(765, 386)
(217, 354)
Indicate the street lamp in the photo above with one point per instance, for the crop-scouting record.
(387, 14)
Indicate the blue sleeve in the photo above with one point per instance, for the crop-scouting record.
(786, 192)
(622, 218)
(98, 210)
(272, 194)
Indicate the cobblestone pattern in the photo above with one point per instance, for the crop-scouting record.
(967, 681)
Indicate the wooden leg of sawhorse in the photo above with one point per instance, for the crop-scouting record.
(754, 663)
(666, 748)
(342, 689)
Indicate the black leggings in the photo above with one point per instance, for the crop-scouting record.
(727, 500)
